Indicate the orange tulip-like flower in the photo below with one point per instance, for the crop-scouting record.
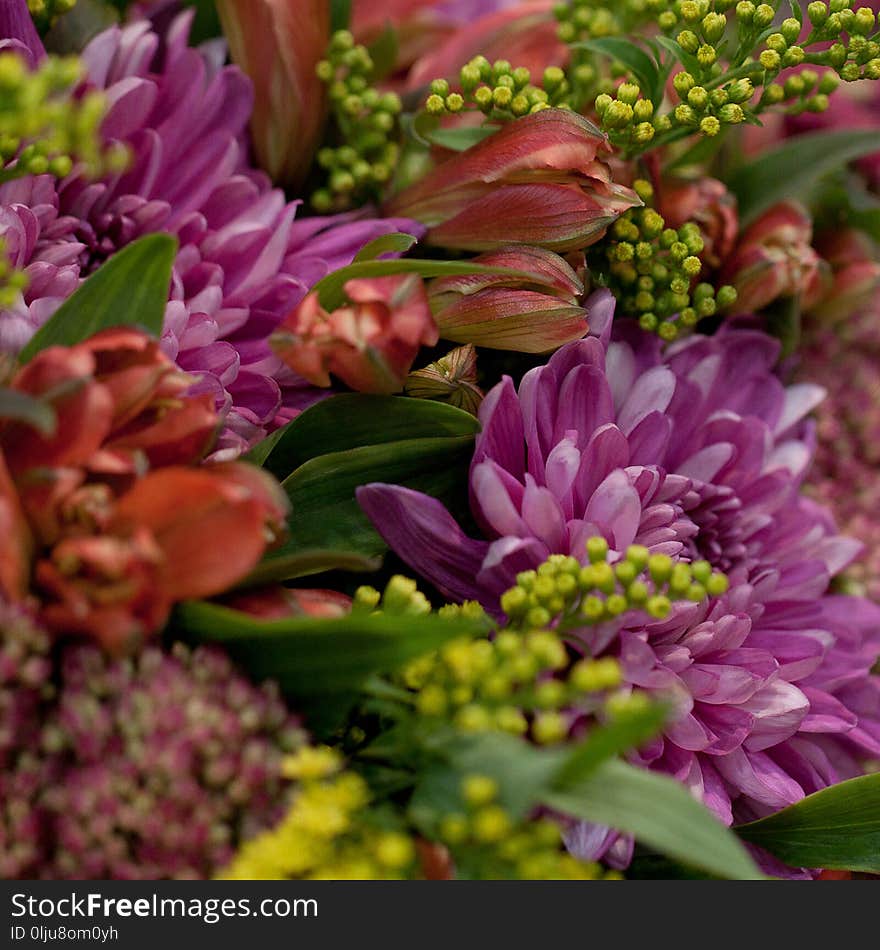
(369, 344)
(540, 180)
(118, 400)
(178, 534)
(533, 309)
(97, 529)
(278, 43)
(15, 540)
(774, 258)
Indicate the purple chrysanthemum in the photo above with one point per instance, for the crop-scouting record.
(157, 766)
(697, 452)
(244, 261)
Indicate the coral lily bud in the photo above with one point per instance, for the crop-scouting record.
(524, 34)
(369, 344)
(118, 399)
(540, 180)
(279, 43)
(530, 314)
(774, 258)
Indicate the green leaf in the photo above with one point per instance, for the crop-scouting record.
(633, 57)
(313, 659)
(461, 139)
(131, 288)
(609, 740)
(419, 127)
(783, 320)
(332, 295)
(837, 828)
(383, 51)
(21, 407)
(688, 60)
(522, 771)
(291, 564)
(325, 512)
(206, 25)
(348, 440)
(385, 244)
(660, 812)
(340, 14)
(792, 169)
(352, 420)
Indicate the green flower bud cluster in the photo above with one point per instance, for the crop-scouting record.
(358, 168)
(854, 52)
(400, 597)
(630, 121)
(654, 270)
(709, 111)
(508, 684)
(45, 131)
(580, 20)
(803, 91)
(45, 12)
(570, 596)
(593, 19)
(488, 843)
(328, 832)
(499, 91)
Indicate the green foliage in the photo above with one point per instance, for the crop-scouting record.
(794, 168)
(346, 441)
(131, 289)
(660, 812)
(838, 827)
(321, 663)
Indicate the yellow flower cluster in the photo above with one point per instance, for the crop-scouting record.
(325, 834)
(488, 842)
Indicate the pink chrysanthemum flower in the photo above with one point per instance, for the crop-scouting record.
(244, 261)
(697, 452)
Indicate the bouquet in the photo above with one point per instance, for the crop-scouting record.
(438, 439)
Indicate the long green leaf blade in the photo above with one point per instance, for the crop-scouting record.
(317, 659)
(353, 420)
(131, 289)
(837, 828)
(792, 169)
(660, 813)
